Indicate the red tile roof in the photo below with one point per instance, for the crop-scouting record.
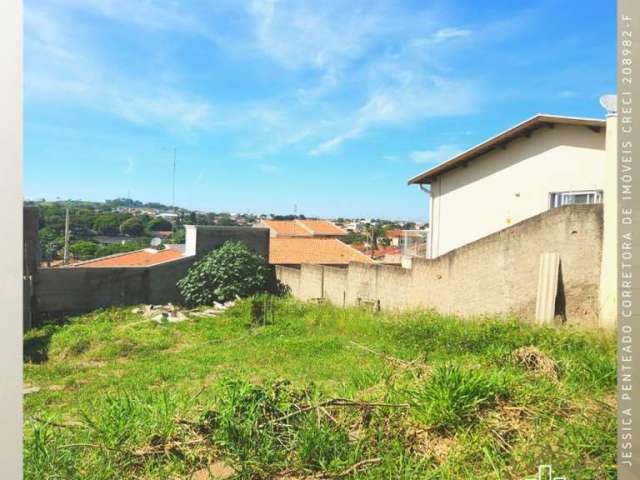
(303, 228)
(138, 258)
(323, 251)
(323, 227)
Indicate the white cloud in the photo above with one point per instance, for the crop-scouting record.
(269, 169)
(200, 176)
(320, 35)
(568, 94)
(419, 98)
(449, 33)
(60, 66)
(130, 165)
(436, 155)
(354, 67)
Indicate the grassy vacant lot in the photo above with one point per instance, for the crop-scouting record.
(317, 392)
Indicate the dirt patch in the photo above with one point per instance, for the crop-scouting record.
(507, 423)
(425, 442)
(216, 470)
(536, 361)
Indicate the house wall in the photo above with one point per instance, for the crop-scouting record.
(504, 187)
(496, 275)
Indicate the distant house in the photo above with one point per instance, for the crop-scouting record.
(383, 254)
(399, 238)
(544, 162)
(109, 240)
(295, 251)
(172, 217)
(302, 228)
(163, 233)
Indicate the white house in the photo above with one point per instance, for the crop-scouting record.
(541, 163)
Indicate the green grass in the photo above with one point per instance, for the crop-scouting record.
(121, 397)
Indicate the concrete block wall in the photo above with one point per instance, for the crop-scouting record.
(74, 290)
(335, 285)
(202, 239)
(290, 277)
(77, 290)
(311, 282)
(496, 275)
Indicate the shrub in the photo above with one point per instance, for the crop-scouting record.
(226, 273)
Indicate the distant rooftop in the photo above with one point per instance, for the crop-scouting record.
(304, 228)
(320, 251)
(137, 258)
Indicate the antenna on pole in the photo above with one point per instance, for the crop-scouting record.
(173, 193)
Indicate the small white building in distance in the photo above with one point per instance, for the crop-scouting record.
(544, 162)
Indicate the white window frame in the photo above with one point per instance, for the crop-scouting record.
(556, 198)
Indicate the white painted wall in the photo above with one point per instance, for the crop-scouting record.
(503, 187)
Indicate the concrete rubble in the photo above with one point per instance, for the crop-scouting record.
(172, 313)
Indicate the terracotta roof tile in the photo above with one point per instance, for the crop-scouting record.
(287, 228)
(303, 228)
(138, 258)
(326, 251)
(323, 227)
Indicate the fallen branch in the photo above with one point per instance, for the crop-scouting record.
(357, 466)
(352, 469)
(341, 402)
(389, 358)
(156, 449)
(55, 424)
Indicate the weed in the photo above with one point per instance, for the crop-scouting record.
(454, 395)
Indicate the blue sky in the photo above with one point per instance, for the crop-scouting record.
(330, 106)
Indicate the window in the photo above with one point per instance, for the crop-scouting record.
(570, 198)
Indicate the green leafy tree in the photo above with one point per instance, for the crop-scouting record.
(83, 249)
(178, 236)
(113, 248)
(230, 271)
(133, 227)
(50, 243)
(107, 224)
(159, 224)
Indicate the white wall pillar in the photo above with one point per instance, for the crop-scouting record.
(609, 269)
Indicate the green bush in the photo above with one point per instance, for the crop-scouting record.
(226, 273)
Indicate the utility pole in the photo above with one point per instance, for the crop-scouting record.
(65, 257)
(173, 195)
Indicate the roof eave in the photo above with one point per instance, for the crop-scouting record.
(508, 135)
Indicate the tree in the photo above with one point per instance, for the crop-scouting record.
(134, 227)
(230, 271)
(159, 224)
(178, 236)
(107, 224)
(50, 242)
(83, 249)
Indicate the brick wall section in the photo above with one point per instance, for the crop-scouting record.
(496, 275)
